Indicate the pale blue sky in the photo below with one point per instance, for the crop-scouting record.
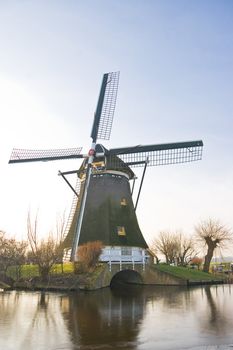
(176, 84)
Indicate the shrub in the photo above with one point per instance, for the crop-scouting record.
(197, 261)
(88, 256)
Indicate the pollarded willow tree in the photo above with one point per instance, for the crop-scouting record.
(214, 235)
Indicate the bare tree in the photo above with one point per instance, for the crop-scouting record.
(214, 235)
(5, 253)
(186, 249)
(12, 253)
(167, 245)
(19, 255)
(176, 247)
(45, 252)
(60, 236)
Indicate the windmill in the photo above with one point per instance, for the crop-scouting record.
(103, 208)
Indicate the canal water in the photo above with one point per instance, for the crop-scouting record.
(142, 318)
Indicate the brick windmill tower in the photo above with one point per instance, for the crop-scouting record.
(103, 207)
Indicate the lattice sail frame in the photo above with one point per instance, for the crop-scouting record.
(165, 156)
(108, 108)
(27, 155)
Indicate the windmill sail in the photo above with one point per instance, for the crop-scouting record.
(103, 119)
(28, 155)
(160, 154)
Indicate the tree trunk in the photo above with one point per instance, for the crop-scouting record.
(208, 257)
(44, 273)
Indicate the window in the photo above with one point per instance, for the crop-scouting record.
(126, 251)
(123, 202)
(121, 231)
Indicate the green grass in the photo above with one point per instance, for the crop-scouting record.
(67, 268)
(187, 274)
(30, 271)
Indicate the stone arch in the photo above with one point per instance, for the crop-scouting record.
(126, 276)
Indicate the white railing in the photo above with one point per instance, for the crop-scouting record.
(114, 256)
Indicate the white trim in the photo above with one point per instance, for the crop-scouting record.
(113, 172)
(113, 255)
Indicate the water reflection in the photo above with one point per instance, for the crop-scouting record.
(31, 321)
(106, 318)
(131, 318)
(217, 317)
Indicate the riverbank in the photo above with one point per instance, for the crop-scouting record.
(191, 276)
(57, 280)
(54, 283)
(101, 276)
(4, 286)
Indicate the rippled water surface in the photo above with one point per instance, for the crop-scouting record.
(132, 318)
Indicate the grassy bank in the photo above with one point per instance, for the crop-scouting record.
(60, 278)
(189, 274)
(30, 271)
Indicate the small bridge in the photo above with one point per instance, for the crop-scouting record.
(133, 274)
